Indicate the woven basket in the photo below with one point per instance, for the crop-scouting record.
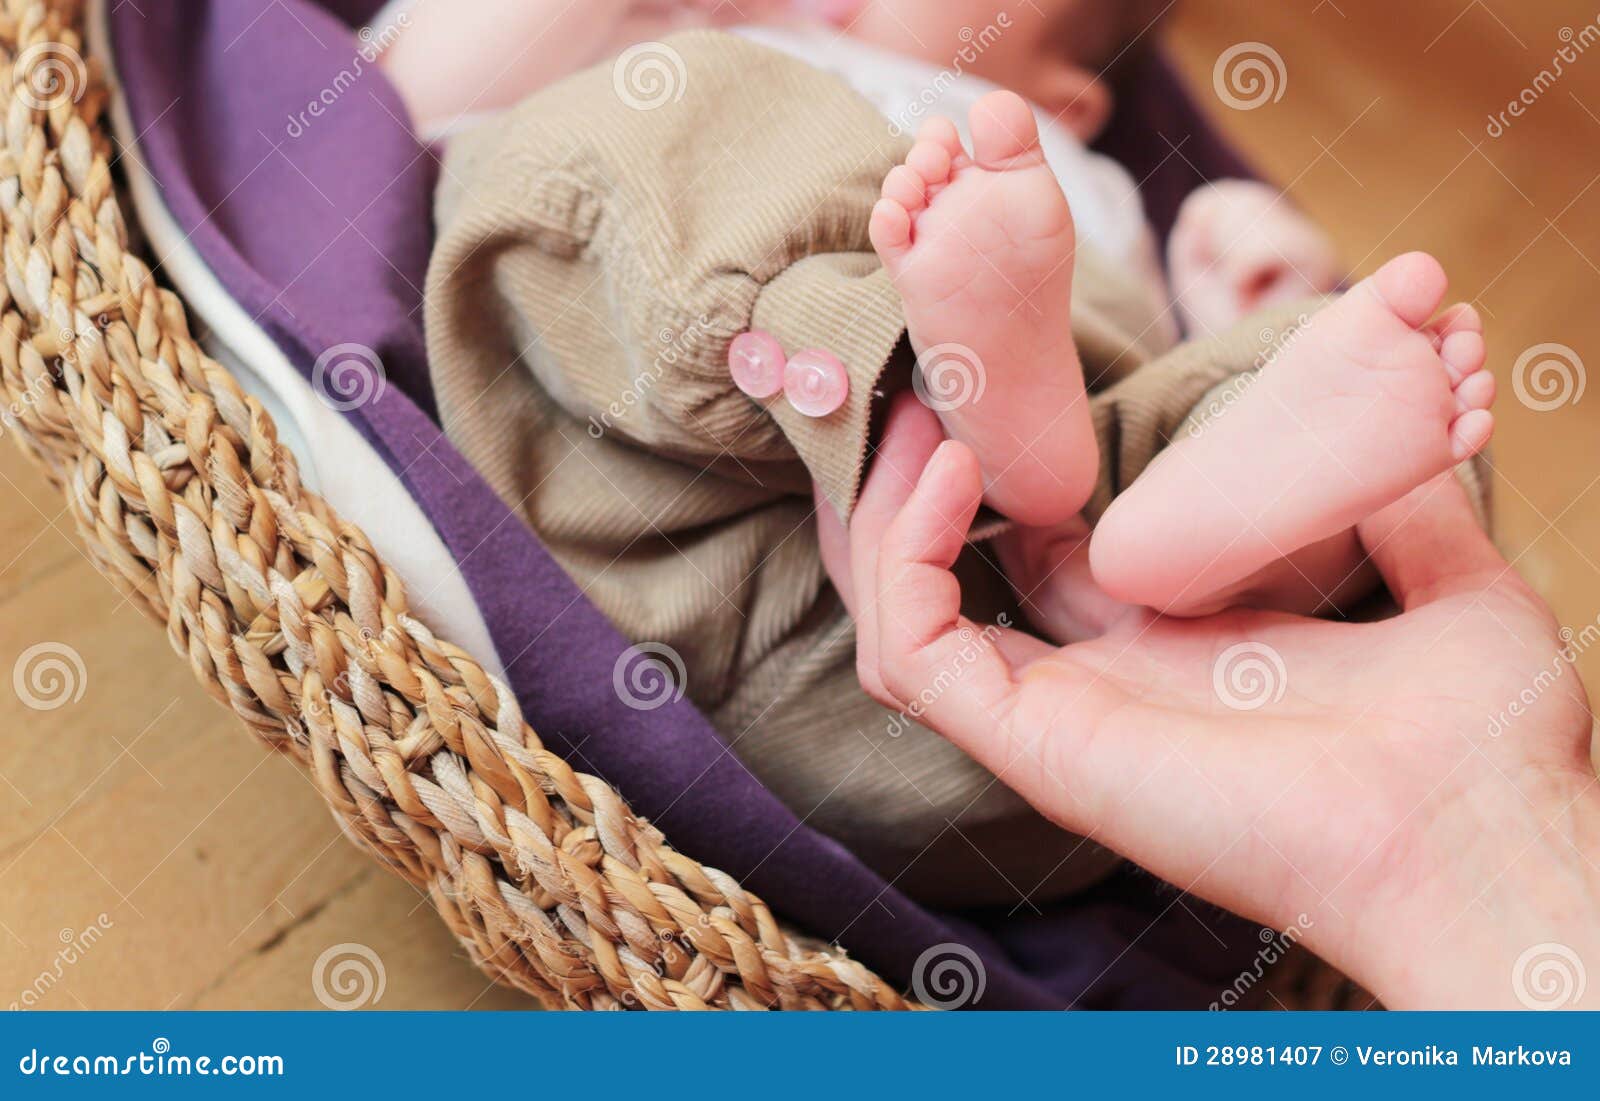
(187, 502)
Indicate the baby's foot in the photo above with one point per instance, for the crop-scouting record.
(1049, 571)
(981, 249)
(1239, 246)
(1366, 402)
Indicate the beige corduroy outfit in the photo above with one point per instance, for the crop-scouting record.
(596, 255)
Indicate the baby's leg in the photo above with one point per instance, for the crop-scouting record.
(980, 248)
(1369, 402)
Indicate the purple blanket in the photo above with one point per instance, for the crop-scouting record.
(318, 222)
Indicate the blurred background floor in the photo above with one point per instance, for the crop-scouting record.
(1383, 133)
(208, 870)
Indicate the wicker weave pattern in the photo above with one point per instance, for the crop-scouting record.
(186, 500)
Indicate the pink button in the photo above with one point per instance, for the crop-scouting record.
(815, 383)
(755, 359)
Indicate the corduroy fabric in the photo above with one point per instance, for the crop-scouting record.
(596, 255)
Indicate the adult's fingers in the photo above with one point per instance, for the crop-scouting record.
(1428, 545)
(911, 433)
(954, 673)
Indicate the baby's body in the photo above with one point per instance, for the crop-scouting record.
(981, 243)
(981, 248)
(456, 63)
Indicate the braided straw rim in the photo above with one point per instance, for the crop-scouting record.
(187, 502)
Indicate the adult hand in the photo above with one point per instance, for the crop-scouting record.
(1416, 794)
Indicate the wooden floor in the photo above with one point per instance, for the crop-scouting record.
(210, 874)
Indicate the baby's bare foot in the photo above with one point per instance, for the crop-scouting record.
(1049, 571)
(1366, 403)
(980, 248)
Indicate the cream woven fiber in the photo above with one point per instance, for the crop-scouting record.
(188, 503)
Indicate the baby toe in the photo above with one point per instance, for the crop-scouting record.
(1464, 354)
(1475, 392)
(1470, 434)
(1004, 131)
(931, 161)
(904, 186)
(1463, 317)
(1411, 286)
(889, 228)
(942, 131)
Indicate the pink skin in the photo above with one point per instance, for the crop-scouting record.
(980, 247)
(1033, 56)
(1240, 246)
(451, 60)
(1368, 401)
(1428, 855)
(457, 59)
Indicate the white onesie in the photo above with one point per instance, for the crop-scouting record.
(1106, 208)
